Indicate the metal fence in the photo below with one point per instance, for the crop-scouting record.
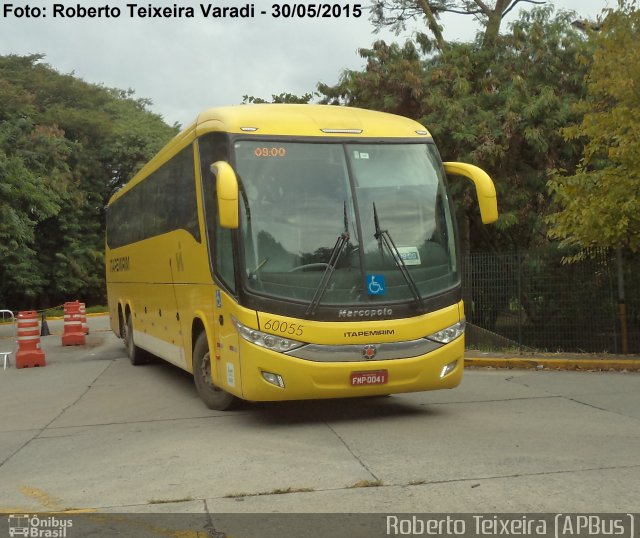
(534, 301)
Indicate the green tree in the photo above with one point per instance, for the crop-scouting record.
(65, 147)
(283, 97)
(505, 117)
(34, 182)
(600, 201)
(394, 14)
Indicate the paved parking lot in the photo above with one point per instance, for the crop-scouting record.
(91, 432)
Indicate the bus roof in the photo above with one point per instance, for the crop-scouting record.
(285, 120)
(306, 120)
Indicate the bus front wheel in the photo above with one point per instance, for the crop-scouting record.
(213, 397)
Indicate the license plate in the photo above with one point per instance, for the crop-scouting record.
(377, 377)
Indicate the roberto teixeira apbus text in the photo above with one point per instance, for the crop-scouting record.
(552, 525)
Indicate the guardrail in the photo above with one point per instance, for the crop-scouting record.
(5, 355)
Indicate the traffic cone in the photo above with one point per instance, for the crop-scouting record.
(29, 353)
(44, 326)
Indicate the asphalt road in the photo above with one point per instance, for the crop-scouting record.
(90, 432)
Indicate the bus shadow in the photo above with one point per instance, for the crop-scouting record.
(378, 408)
(339, 410)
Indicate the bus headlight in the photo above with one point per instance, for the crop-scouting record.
(449, 334)
(268, 341)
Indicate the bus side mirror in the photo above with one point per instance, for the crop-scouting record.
(485, 188)
(227, 191)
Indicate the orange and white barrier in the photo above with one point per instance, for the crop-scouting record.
(83, 318)
(29, 353)
(73, 334)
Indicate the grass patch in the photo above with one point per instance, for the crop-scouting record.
(284, 491)
(59, 310)
(512, 350)
(277, 491)
(367, 484)
(169, 501)
(238, 495)
(100, 309)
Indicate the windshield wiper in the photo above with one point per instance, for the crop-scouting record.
(338, 249)
(253, 274)
(384, 238)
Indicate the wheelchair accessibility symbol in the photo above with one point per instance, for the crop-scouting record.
(376, 285)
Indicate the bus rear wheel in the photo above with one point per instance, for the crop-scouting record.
(213, 396)
(136, 355)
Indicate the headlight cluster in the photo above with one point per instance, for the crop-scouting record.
(449, 334)
(268, 341)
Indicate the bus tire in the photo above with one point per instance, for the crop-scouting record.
(136, 355)
(213, 397)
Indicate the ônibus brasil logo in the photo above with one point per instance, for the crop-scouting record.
(38, 526)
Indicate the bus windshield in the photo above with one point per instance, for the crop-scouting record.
(302, 200)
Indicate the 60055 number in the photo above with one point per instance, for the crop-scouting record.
(277, 326)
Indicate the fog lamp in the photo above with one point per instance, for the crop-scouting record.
(448, 368)
(274, 379)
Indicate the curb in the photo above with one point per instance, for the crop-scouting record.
(555, 364)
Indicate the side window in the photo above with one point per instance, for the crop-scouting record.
(224, 256)
(182, 175)
(174, 187)
(163, 202)
(215, 147)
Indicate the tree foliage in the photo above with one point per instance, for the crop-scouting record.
(284, 97)
(600, 202)
(500, 109)
(395, 14)
(65, 147)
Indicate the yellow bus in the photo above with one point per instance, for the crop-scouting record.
(285, 252)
